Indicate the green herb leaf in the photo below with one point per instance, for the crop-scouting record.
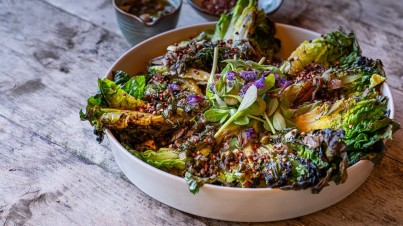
(232, 111)
(215, 115)
(268, 84)
(278, 121)
(230, 100)
(249, 98)
(268, 125)
(136, 86)
(223, 119)
(256, 108)
(271, 106)
(220, 102)
(194, 183)
(220, 86)
(242, 120)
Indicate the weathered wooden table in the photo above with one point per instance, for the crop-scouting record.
(53, 171)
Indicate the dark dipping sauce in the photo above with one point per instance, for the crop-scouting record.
(218, 7)
(148, 10)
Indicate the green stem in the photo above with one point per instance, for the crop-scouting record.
(261, 61)
(226, 124)
(270, 124)
(214, 68)
(257, 118)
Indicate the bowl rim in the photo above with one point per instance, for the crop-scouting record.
(179, 179)
(177, 10)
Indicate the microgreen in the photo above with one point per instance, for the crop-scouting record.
(249, 98)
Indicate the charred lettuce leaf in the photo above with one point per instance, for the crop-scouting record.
(246, 23)
(308, 161)
(133, 85)
(117, 97)
(106, 107)
(327, 50)
(364, 120)
(165, 158)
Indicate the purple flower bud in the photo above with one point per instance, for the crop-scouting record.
(248, 75)
(174, 87)
(212, 87)
(265, 73)
(217, 76)
(286, 84)
(230, 83)
(249, 133)
(194, 99)
(244, 89)
(281, 82)
(231, 75)
(259, 83)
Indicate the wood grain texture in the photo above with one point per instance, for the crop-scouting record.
(53, 172)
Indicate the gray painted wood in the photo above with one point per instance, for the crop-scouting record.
(53, 172)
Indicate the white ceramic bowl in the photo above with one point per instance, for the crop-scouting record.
(218, 202)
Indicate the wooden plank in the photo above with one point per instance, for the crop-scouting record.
(102, 13)
(43, 183)
(51, 70)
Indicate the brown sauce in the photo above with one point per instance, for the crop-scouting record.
(148, 10)
(218, 7)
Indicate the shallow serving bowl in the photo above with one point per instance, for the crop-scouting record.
(218, 202)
